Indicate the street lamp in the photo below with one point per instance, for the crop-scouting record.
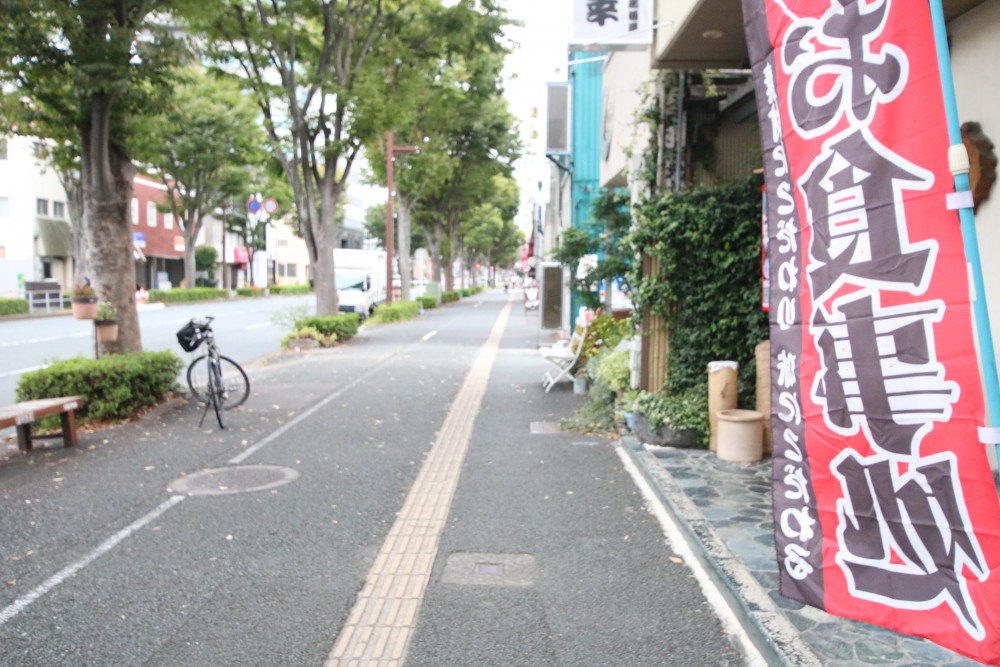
(390, 153)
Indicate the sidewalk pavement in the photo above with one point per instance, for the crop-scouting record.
(724, 509)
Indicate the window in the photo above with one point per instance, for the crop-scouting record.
(134, 211)
(59, 209)
(168, 220)
(4, 207)
(151, 213)
(42, 206)
(287, 270)
(46, 269)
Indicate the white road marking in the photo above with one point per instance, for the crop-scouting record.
(46, 339)
(23, 370)
(62, 575)
(681, 547)
(428, 336)
(262, 325)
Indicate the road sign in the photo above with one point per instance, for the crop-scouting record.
(253, 205)
(270, 206)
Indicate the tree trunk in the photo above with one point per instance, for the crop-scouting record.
(71, 182)
(107, 200)
(406, 204)
(434, 240)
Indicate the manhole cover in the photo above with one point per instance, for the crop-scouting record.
(490, 569)
(236, 479)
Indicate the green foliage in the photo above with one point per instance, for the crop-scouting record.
(290, 289)
(427, 302)
(708, 244)
(205, 257)
(251, 291)
(397, 311)
(604, 332)
(309, 332)
(106, 311)
(182, 294)
(113, 387)
(610, 368)
(344, 326)
(13, 306)
(449, 296)
(684, 410)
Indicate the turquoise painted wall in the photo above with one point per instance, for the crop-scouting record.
(587, 104)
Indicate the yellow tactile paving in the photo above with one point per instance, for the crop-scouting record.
(380, 625)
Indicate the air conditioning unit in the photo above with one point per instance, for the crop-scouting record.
(557, 139)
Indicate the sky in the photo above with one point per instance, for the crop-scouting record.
(539, 58)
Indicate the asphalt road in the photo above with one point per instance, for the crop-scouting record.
(243, 326)
(106, 559)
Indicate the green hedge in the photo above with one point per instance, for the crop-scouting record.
(13, 306)
(427, 302)
(344, 327)
(450, 296)
(290, 289)
(113, 387)
(397, 311)
(251, 291)
(707, 241)
(181, 294)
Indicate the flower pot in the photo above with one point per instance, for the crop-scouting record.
(106, 330)
(84, 307)
(579, 385)
(664, 436)
(740, 435)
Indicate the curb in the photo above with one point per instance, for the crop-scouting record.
(768, 628)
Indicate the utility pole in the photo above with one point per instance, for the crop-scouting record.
(390, 153)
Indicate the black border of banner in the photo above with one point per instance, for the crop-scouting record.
(798, 534)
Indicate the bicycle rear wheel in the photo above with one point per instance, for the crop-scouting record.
(235, 383)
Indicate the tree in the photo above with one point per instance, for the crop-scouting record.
(306, 65)
(375, 229)
(81, 71)
(200, 144)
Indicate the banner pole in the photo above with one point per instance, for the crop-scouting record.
(968, 222)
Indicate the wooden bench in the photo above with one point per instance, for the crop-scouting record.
(24, 414)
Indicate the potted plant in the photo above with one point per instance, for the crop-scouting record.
(84, 302)
(106, 323)
(678, 420)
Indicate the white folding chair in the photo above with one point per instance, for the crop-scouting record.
(564, 356)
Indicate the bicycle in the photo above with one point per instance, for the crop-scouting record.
(217, 381)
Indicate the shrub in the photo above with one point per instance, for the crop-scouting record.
(427, 302)
(604, 332)
(310, 332)
(113, 387)
(397, 311)
(13, 306)
(449, 296)
(182, 294)
(611, 368)
(290, 289)
(250, 291)
(680, 411)
(344, 326)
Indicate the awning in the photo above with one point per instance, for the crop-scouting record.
(55, 238)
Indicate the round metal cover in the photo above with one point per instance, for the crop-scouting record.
(235, 479)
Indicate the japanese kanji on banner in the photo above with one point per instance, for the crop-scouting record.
(885, 506)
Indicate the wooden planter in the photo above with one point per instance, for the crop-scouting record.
(84, 307)
(106, 330)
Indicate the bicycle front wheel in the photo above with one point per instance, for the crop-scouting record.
(235, 383)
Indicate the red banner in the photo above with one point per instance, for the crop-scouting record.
(885, 506)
